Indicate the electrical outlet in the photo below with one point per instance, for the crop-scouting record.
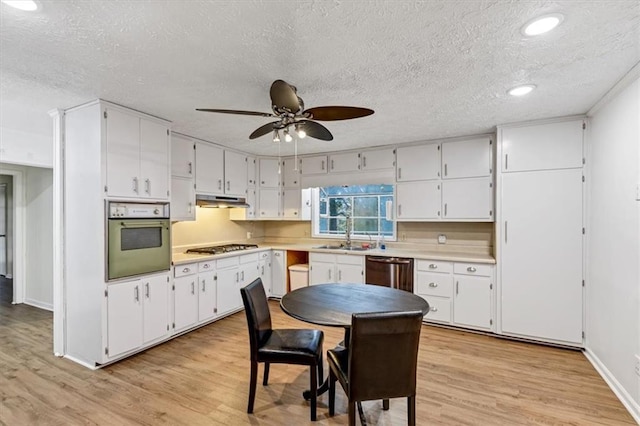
(442, 239)
(404, 237)
(637, 364)
(249, 235)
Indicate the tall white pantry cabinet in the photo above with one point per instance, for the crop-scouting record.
(540, 230)
(110, 153)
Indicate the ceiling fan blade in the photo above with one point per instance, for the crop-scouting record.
(283, 96)
(334, 113)
(263, 130)
(234, 111)
(316, 130)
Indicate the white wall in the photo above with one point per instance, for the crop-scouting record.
(613, 232)
(29, 149)
(38, 233)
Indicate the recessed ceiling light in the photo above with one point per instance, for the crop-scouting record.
(521, 90)
(542, 24)
(27, 5)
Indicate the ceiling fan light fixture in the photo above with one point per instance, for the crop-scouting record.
(287, 136)
(521, 90)
(276, 136)
(542, 24)
(300, 131)
(26, 5)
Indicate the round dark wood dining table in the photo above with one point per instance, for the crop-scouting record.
(333, 305)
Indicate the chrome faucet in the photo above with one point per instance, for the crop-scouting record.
(347, 231)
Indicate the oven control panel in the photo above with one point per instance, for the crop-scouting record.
(138, 210)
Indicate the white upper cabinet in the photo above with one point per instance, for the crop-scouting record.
(137, 156)
(314, 165)
(183, 197)
(182, 157)
(467, 158)
(291, 172)
(209, 169)
(251, 171)
(378, 159)
(418, 201)
(542, 147)
(235, 173)
(346, 162)
(420, 162)
(269, 172)
(269, 203)
(467, 199)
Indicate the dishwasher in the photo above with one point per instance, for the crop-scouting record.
(394, 272)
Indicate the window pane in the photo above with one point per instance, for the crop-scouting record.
(365, 206)
(323, 206)
(339, 206)
(365, 226)
(323, 225)
(386, 227)
(337, 225)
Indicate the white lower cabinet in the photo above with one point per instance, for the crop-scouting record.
(207, 289)
(335, 268)
(137, 313)
(264, 271)
(185, 297)
(228, 291)
(278, 273)
(458, 293)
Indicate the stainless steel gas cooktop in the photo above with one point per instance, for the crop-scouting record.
(225, 248)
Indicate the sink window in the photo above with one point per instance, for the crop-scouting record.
(366, 205)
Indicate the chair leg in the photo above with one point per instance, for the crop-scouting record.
(320, 371)
(313, 388)
(385, 404)
(411, 411)
(252, 385)
(332, 393)
(265, 378)
(352, 413)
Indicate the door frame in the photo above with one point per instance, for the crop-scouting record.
(17, 248)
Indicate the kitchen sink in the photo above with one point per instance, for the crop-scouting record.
(341, 247)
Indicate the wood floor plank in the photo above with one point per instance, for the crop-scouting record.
(202, 378)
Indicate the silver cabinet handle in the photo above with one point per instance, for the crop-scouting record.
(329, 275)
(193, 288)
(433, 266)
(276, 254)
(237, 277)
(190, 207)
(219, 184)
(433, 285)
(471, 269)
(339, 275)
(322, 167)
(185, 270)
(205, 266)
(445, 169)
(190, 164)
(147, 186)
(364, 161)
(204, 285)
(456, 287)
(332, 165)
(399, 209)
(242, 276)
(506, 161)
(135, 185)
(505, 232)
(136, 294)
(262, 270)
(228, 185)
(445, 209)
(399, 172)
(433, 310)
(146, 290)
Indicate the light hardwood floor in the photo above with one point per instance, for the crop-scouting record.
(202, 379)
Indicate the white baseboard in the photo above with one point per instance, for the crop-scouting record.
(80, 361)
(632, 406)
(39, 304)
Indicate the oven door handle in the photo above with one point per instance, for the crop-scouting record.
(141, 224)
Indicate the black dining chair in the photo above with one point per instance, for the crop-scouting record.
(282, 346)
(379, 363)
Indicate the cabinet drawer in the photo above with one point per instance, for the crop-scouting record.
(227, 262)
(439, 309)
(184, 270)
(209, 265)
(322, 257)
(434, 266)
(346, 259)
(248, 258)
(434, 284)
(473, 269)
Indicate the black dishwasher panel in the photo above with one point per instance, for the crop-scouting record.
(394, 272)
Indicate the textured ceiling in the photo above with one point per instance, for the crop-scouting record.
(429, 69)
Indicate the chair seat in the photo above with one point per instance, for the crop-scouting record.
(300, 346)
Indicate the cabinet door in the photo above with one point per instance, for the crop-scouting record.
(250, 212)
(420, 162)
(541, 255)
(207, 297)
(417, 200)
(228, 290)
(123, 154)
(291, 200)
(291, 173)
(472, 301)
(379, 159)
(468, 199)
(467, 158)
(269, 203)
(542, 146)
(251, 171)
(156, 307)
(124, 317)
(321, 272)
(278, 273)
(155, 169)
(264, 270)
(209, 169)
(352, 274)
(269, 170)
(347, 162)
(185, 302)
(183, 197)
(235, 173)
(183, 157)
(314, 165)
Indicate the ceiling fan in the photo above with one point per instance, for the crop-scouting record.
(289, 110)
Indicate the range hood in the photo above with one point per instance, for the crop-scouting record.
(220, 201)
